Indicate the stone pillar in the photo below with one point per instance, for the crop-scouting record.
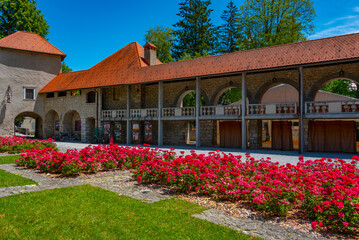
(128, 127)
(301, 111)
(83, 130)
(255, 133)
(160, 106)
(198, 110)
(99, 111)
(244, 107)
(305, 133)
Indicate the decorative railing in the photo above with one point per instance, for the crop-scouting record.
(208, 110)
(232, 110)
(107, 114)
(332, 107)
(135, 113)
(272, 109)
(256, 109)
(188, 111)
(151, 112)
(286, 108)
(352, 106)
(120, 113)
(168, 112)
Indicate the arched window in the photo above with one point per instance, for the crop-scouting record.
(91, 97)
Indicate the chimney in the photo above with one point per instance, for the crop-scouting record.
(150, 53)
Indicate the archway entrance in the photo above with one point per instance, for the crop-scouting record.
(280, 134)
(52, 124)
(229, 133)
(335, 134)
(28, 124)
(187, 100)
(72, 126)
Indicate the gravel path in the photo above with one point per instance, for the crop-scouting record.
(253, 227)
(283, 157)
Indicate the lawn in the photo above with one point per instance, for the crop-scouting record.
(87, 212)
(8, 179)
(8, 159)
(11, 180)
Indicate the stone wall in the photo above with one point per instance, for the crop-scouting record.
(255, 134)
(175, 132)
(208, 133)
(19, 69)
(65, 107)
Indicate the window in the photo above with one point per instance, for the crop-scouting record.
(62, 94)
(91, 97)
(75, 92)
(29, 93)
(50, 95)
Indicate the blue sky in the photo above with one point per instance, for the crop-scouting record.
(89, 31)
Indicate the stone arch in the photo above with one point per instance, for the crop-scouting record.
(184, 92)
(38, 123)
(71, 125)
(263, 89)
(218, 93)
(321, 82)
(52, 124)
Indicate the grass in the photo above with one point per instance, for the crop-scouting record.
(87, 212)
(8, 159)
(11, 180)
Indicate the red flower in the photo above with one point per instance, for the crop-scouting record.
(314, 225)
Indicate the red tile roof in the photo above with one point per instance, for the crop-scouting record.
(127, 67)
(32, 42)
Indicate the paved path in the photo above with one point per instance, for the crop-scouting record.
(121, 182)
(254, 227)
(43, 183)
(282, 157)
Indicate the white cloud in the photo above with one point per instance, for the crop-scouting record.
(341, 19)
(356, 9)
(346, 28)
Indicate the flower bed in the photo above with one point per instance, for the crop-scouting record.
(16, 144)
(328, 190)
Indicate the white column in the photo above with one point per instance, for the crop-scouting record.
(301, 111)
(160, 106)
(129, 127)
(198, 109)
(244, 107)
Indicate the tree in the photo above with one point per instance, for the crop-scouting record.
(343, 87)
(21, 15)
(65, 68)
(273, 22)
(190, 100)
(229, 31)
(230, 96)
(186, 56)
(195, 33)
(163, 38)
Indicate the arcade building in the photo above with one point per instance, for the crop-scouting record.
(133, 98)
